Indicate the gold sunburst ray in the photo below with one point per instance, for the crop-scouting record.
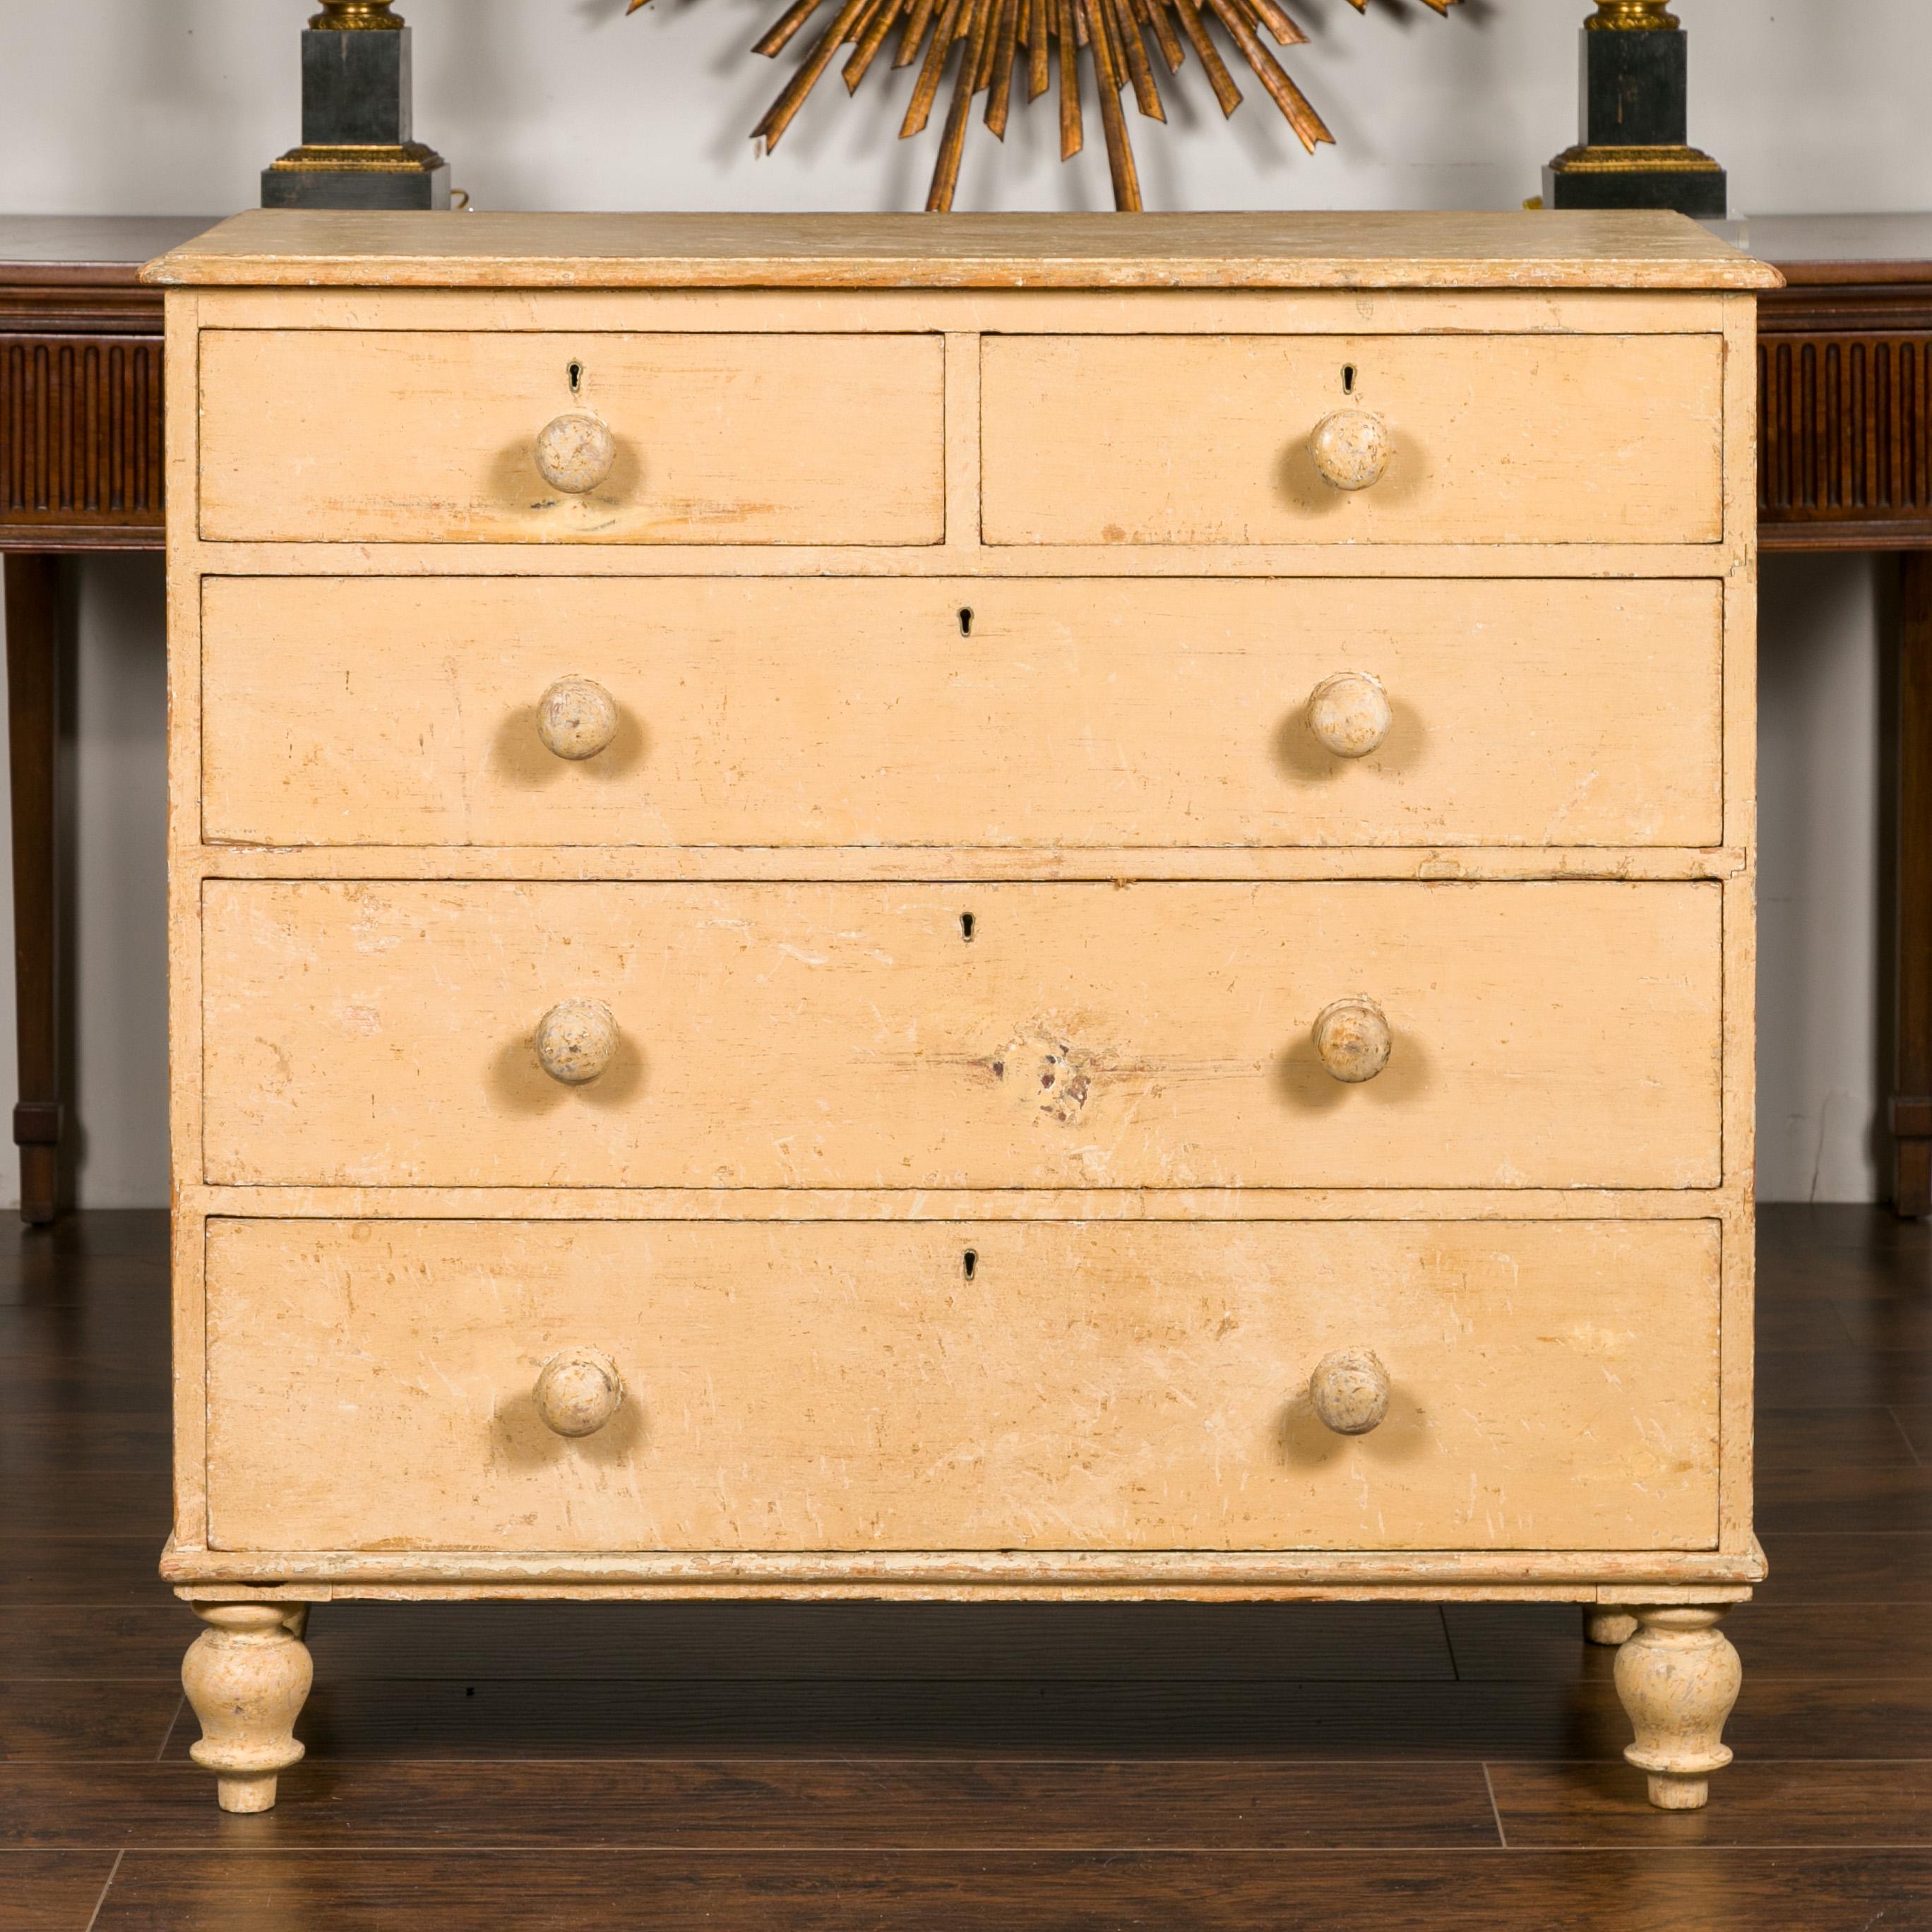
(992, 36)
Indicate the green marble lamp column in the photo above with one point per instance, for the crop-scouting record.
(357, 148)
(1635, 113)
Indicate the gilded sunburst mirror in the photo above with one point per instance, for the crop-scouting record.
(1001, 45)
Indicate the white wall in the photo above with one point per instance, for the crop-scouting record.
(163, 106)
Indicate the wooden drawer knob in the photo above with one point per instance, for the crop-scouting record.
(1349, 713)
(577, 718)
(1352, 1037)
(1351, 448)
(1350, 1390)
(575, 452)
(578, 1391)
(576, 1040)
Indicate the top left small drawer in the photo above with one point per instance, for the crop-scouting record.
(354, 436)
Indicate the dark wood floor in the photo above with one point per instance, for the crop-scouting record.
(1033, 1769)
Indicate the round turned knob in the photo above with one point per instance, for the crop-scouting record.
(575, 452)
(578, 1391)
(1349, 713)
(577, 718)
(576, 1040)
(1351, 448)
(1350, 1390)
(1352, 1037)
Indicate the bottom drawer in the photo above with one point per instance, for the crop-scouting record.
(839, 1386)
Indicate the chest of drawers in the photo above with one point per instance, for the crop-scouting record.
(1032, 907)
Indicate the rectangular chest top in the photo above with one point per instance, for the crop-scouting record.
(312, 249)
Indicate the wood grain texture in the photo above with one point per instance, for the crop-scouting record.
(1633, 251)
(54, 1891)
(809, 1388)
(1509, 439)
(1069, 1037)
(1680, 1889)
(385, 436)
(735, 1805)
(1798, 1801)
(956, 712)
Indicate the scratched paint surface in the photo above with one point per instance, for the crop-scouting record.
(1547, 1034)
(1494, 439)
(395, 436)
(831, 1386)
(1014, 712)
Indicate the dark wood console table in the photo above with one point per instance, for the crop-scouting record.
(1845, 395)
(1845, 383)
(80, 469)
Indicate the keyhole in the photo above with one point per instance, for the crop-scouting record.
(1347, 378)
(970, 1261)
(966, 927)
(576, 378)
(965, 620)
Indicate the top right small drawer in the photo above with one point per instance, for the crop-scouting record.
(1451, 439)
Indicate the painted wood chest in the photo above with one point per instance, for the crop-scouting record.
(974, 907)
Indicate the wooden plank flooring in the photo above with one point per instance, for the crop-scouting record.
(1033, 1768)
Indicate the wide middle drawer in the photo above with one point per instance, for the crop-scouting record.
(1542, 1035)
(1019, 712)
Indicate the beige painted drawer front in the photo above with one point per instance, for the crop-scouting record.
(825, 1386)
(1550, 1035)
(1493, 439)
(401, 437)
(953, 711)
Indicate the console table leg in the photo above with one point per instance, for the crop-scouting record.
(33, 721)
(1912, 1092)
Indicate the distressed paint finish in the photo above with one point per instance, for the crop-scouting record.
(246, 1677)
(1679, 1677)
(1349, 714)
(1351, 448)
(1552, 583)
(809, 712)
(1499, 440)
(808, 1387)
(1551, 1035)
(718, 439)
(1630, 250)
(1608, 1624)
